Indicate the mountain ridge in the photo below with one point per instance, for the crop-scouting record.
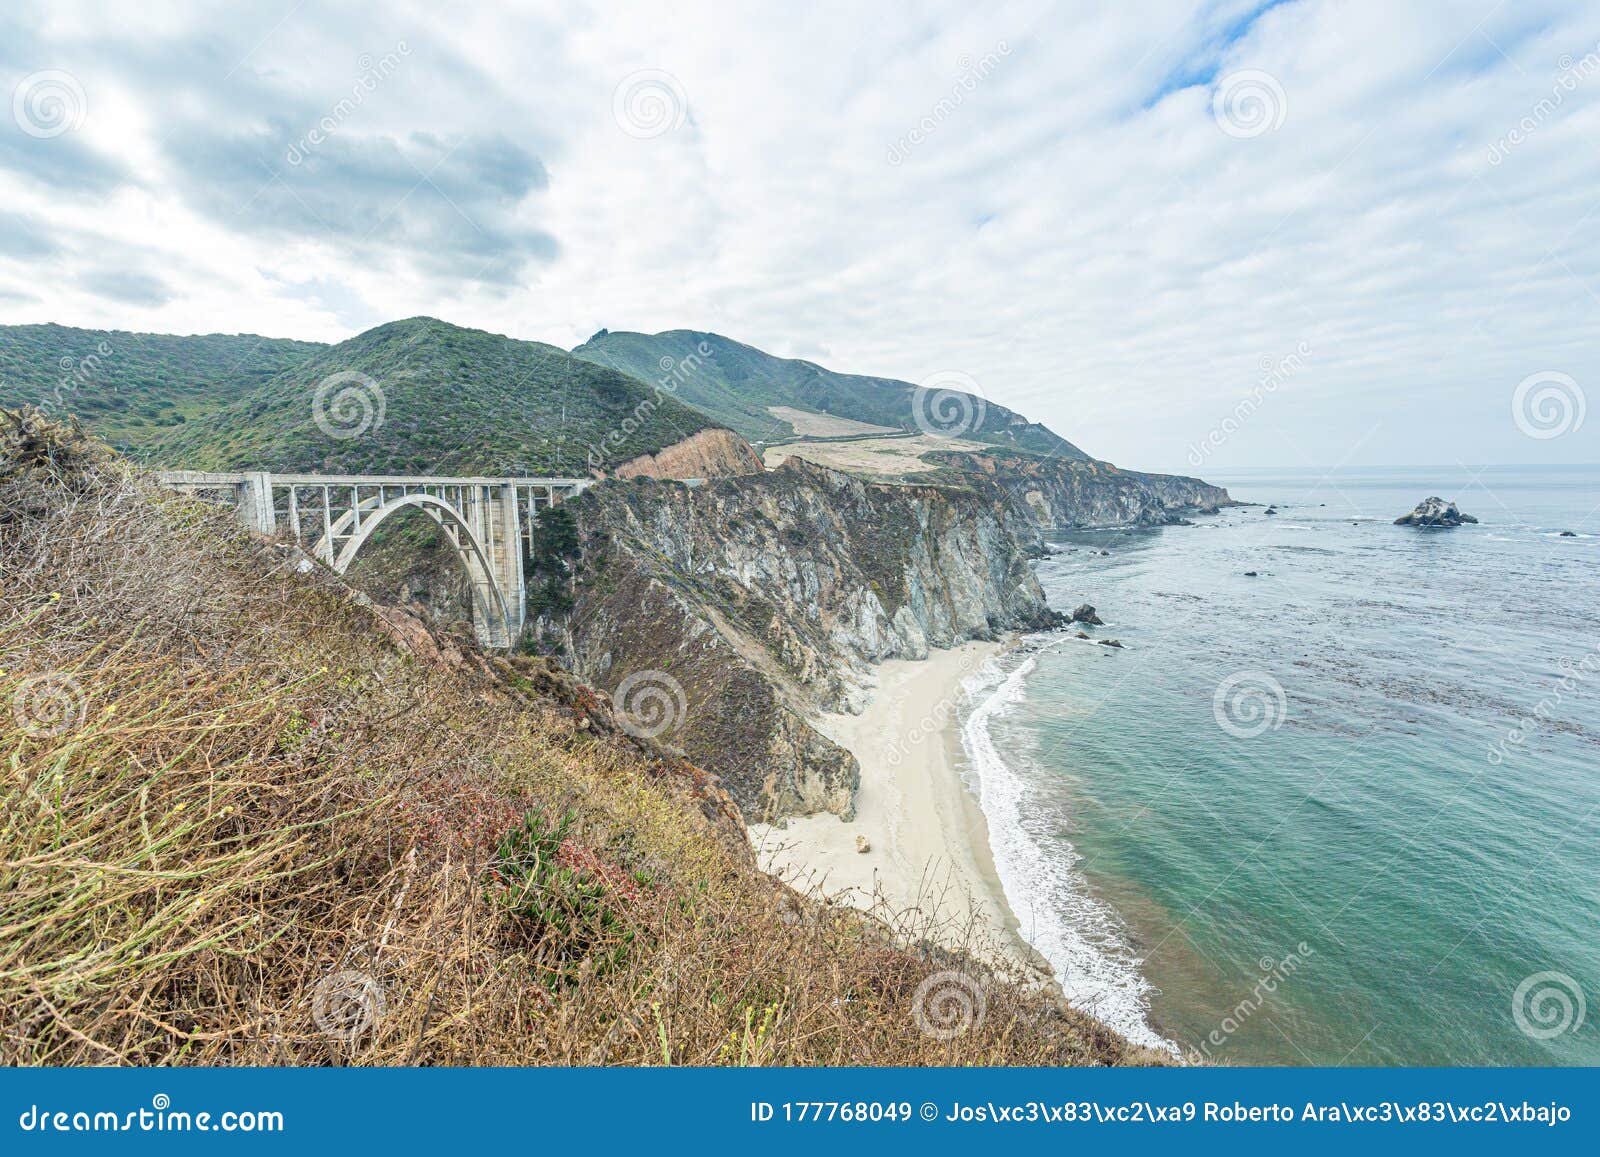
(421, 394)
(739, 385)
(131, 388)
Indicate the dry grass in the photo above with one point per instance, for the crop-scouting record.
(248, 821)
(878, 458)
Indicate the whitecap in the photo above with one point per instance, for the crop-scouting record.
(1080, 936)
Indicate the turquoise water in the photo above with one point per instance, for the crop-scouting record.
(1364, 866)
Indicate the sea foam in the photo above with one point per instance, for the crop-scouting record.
(1080, 936)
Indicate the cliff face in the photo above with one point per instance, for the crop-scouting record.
(1053, 492)
(750, 603)
(713, 453)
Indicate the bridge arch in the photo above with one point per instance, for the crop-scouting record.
(488, 599)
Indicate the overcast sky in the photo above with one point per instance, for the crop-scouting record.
(1187, 236)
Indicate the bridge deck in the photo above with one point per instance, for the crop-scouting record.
(232, 478)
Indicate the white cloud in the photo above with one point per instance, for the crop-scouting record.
(1074, 229)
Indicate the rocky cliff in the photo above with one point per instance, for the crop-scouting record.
(713, 453)
(1056, 492)
(721, 615)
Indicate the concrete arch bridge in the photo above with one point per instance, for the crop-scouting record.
(488, 520)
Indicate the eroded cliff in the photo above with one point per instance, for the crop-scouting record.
(736, 608)
(713, 453)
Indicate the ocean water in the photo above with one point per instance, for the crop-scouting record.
(1343, 812)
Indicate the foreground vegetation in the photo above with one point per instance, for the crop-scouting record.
(250, 820)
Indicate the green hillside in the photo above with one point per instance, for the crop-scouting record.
(131, 388)
(736, 384)
(424, 396)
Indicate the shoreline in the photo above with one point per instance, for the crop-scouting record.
(930, 867)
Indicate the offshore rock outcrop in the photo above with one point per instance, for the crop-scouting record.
(757, 601)
(1433, 513)
(1059, 492)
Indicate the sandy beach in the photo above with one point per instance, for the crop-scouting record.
(928, 840)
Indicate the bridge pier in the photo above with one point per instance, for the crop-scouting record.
(255, 502)
(489, 521)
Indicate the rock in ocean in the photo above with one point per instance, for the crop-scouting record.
(1434, 512)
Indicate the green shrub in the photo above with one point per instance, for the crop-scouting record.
(554, 895)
